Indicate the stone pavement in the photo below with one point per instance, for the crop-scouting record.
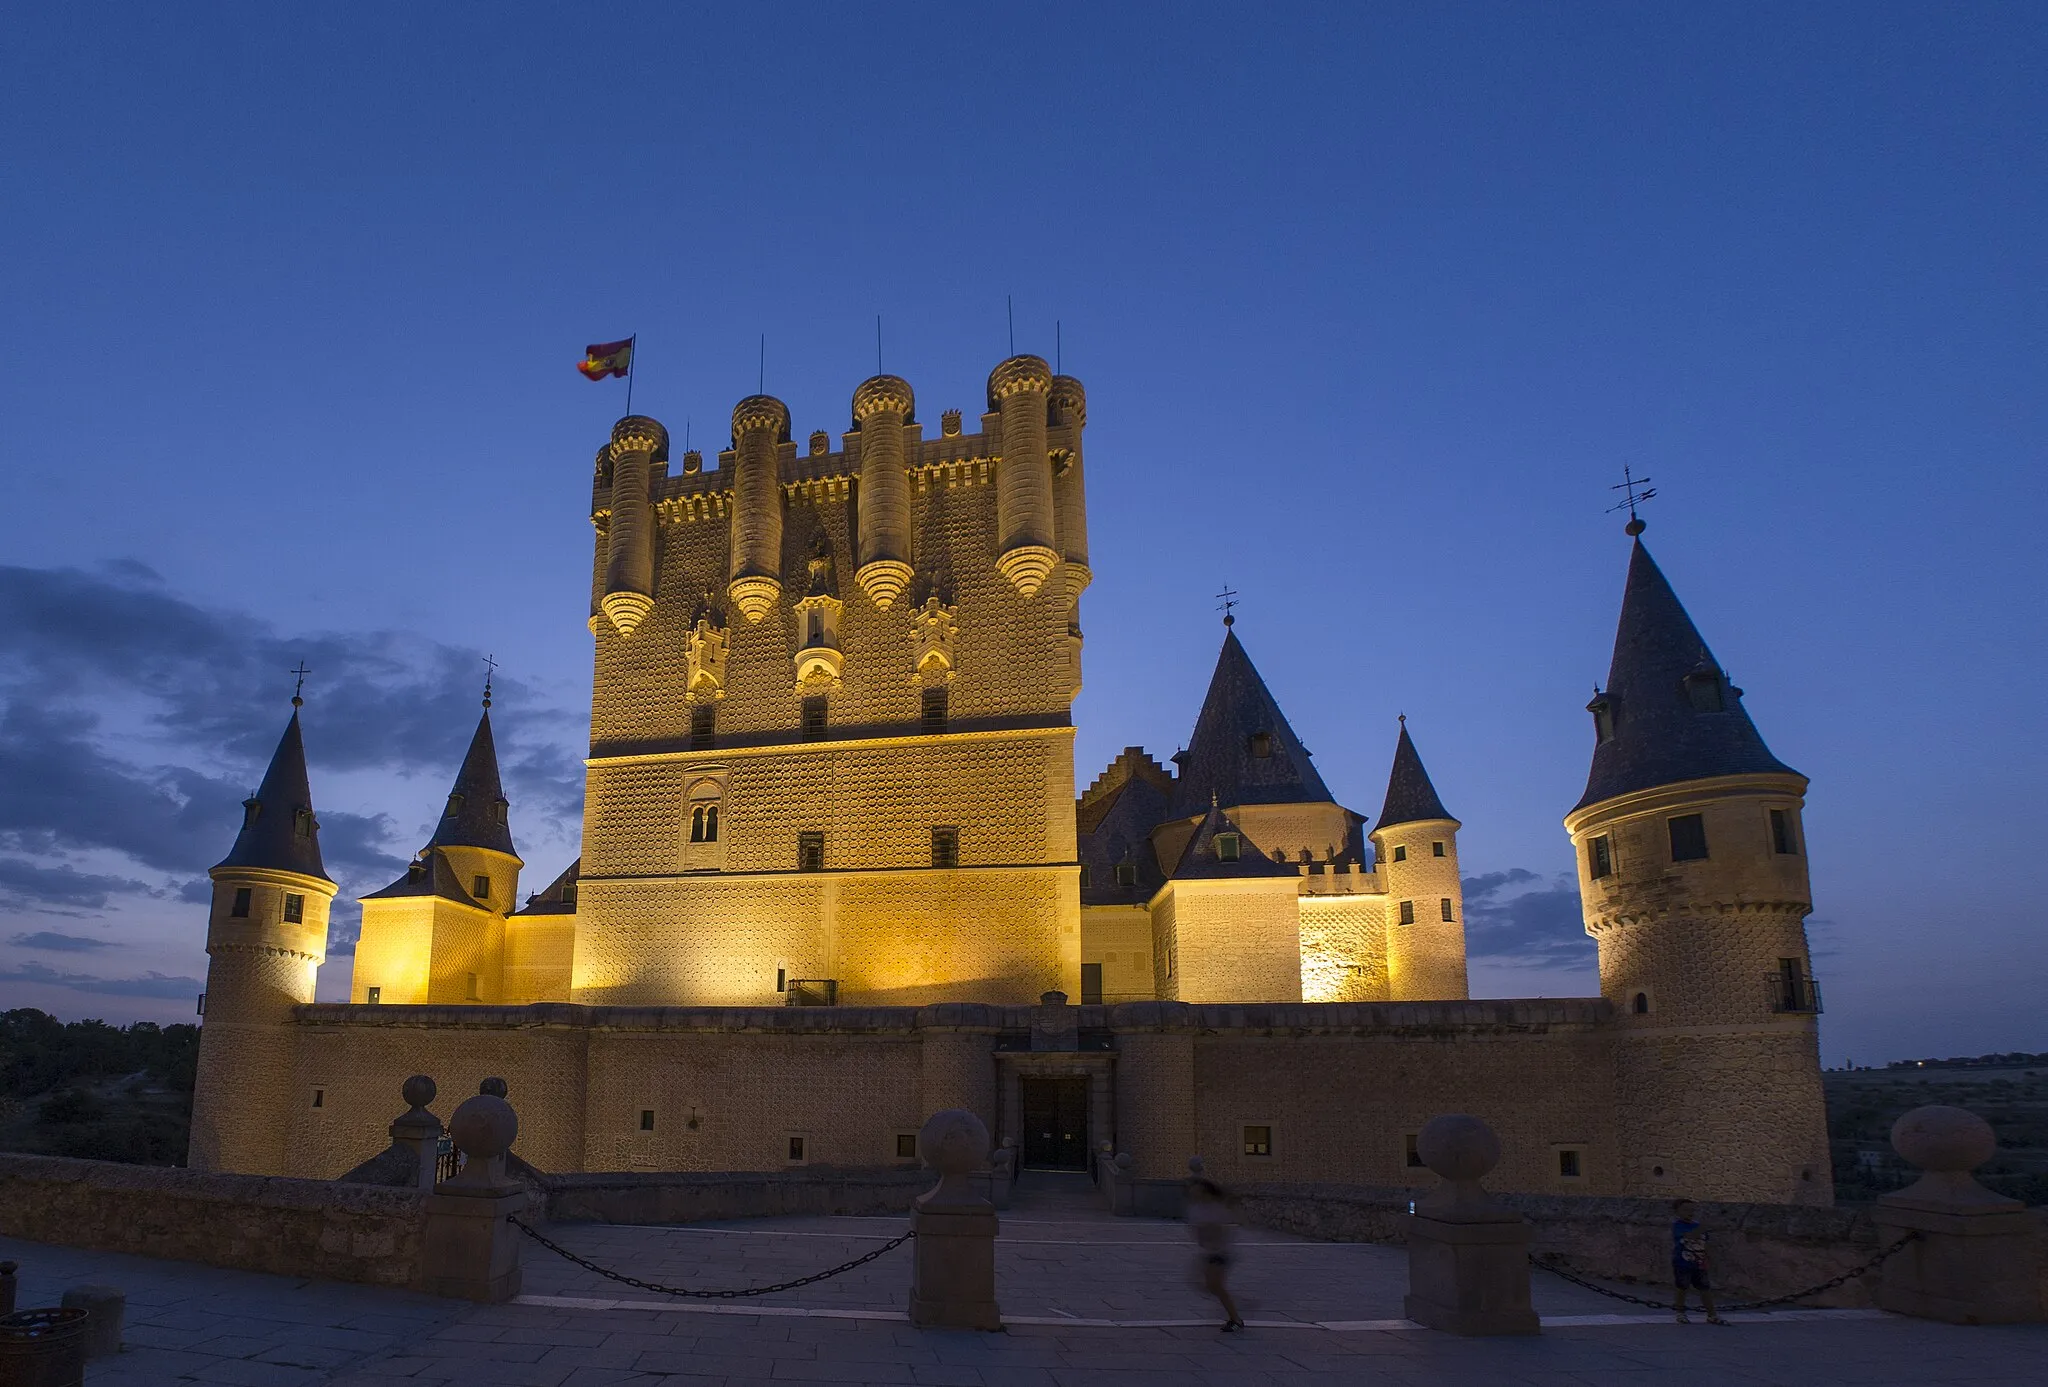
(1090, 1300)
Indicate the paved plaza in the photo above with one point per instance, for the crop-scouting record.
(1089, 1300)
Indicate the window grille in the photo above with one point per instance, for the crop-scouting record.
(810, 852)
(932, 716)
(703, 725)
(945, 847)
(294, 908)
(814, 718)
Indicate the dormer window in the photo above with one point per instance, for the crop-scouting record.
(302, 824)
(454, 806)
(1602, 709)
(480, 887)
(1703, 690)
(1127, 874)
(502, 811)
(250, 809)
(1262, 743)
(1227, 847)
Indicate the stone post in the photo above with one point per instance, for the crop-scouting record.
(472, 1249)
(1973, 1262)
(105, 1306)
(418, 1130)
(1468, 1254)
(953, 1276)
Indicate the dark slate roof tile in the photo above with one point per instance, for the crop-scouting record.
(1411, 797)
(1222, 760)
(271, 835)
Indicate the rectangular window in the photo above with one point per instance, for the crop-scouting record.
(502, 811)
(1414, 1161)
(1568, 1164)
(810, 852)
(1436, 849)
(1127, 874)
(782, 980)
(646, 1119)
(569, 894)
(1782, 840)
(1688, 838)
(1446, 907)
(240, 909)
(932, 717)
(1400, 852)
(319, 1097)
(906, 1146)
(374, 995)
(1599, 857)
(796, 1151)
(302, 823)
(294, 908)
(469, 981)
(814, 718)
(1258, 1141)
(480, 887)
(1227, 848)
(1091, 984)
(945, 847)
(703, 725)
(1407, 912)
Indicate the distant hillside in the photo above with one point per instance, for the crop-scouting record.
(108, 1093)
(1864, 1103)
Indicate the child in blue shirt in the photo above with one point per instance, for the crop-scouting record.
(1689, 1262)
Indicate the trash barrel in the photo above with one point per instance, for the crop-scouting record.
(43, 1348)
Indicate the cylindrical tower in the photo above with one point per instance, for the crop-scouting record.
(1692, 878)
(1025, 523)
(637, 443)
(760, 426)
(881, 407)
(1070, 493)
(1417, 846)
(266, 937)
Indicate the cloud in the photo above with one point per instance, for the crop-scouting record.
(64, 885)
(150, 984)
(51, 942)
(1519, 918)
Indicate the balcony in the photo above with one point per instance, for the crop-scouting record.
(811, 992)
(1792, 995)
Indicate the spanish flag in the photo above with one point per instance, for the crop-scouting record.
(603, 359)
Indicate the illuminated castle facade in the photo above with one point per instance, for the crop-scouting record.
(831, 767)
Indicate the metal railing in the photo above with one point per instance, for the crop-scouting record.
(811, 992)
(1793, 995)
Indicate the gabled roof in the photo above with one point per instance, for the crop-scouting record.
(271, 822)
(559, 897)
(1132, 763)
(1199, 862)
(1660, 737)
(1222, 761)
(473, 818)
(1411, 797)
(429, 875)
(1121, 833)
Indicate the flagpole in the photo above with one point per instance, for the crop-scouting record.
(632, 360)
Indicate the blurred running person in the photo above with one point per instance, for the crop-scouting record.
(1209, 1219)
(1689, 1263)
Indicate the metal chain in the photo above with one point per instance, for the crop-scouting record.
(1829, 1285)
(659, 1289)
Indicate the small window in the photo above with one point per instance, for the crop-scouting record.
(945, 847)
(250, 809)
(814, 628)
(1262, 744)
(796, 1151)
(1688, 838)
(502, 811)
(810, 852)
(1227, 847)
(1602, 709)
(1436, 849)
(646, 1119)
(240, 909)
(906, 1146)
(1568, 1164)
(1445, 906)
(1091, 984)
(697, 824)
(1414, 1161)
(1400, 852)
(1641, 1005)
(703, 725)
(782, 980)
(1703, 689)
(469, 986)
(1258, 1141)
(1782, 840)
(814, 718)
(1600, 857)
(480, 887)
(1407, 912)
(302, 824)
(294, 908)
(1127, 874)
(569, 894)
(319, 1097)
(374, 995)
(932, 715)
(454, 806)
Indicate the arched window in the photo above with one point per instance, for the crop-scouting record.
(697, 823)
(1642, 1004)
(710, 823)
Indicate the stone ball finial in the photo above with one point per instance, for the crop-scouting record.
(1018, 375)
(1124, 1161)
(418, 1091)
(1194, 1165)
(877, 394)
(953, 1142)
(761, 412)
(1942, 1138)
(1458, 1147)
(495, 1087)
(483, 1127)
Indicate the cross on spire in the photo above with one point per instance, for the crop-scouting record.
(1635, 490)
(298, 688)
(1225, 600)
(492, 674)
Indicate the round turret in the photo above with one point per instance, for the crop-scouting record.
(1026, 525)
(882, 406)
(760, 426)
(638, 442)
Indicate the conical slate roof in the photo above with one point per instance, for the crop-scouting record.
(1410, 796)
(476, 814)
(1663, 732)
(1223, 758)
(1198, 861)
(431, 874)
(279, 831)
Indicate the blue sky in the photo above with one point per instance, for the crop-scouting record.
(1372, 303)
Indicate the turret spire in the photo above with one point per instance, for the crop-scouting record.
(1669, 712)
(1242, 748)
(477, 813)
(1411, 798)
(279, 831)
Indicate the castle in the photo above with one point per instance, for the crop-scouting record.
(835, 875)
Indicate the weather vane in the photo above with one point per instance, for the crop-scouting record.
(1635, 490)
(299, 687)
(492, 674)
(1225, 600)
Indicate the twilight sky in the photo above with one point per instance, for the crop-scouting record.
(1372, 303)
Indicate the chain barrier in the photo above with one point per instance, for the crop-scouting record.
(1549, 1264)
(741, 1294)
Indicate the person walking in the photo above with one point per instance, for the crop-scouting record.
(1209, 1219)
(1689, 1263)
